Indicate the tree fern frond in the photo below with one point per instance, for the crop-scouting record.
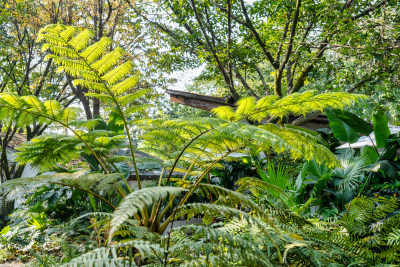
(296, 104)
(94, 51)
(257, 187)
(245, 106)
(101, 97)
(81, 40)
(83, 179)
(111, 256)
(135, 201)
(130, 98)
(118, 73)
(108, 60)
(224, 112)
(137, 108)
(125, 85)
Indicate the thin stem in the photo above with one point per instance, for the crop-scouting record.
(87, 191)
(189, 193)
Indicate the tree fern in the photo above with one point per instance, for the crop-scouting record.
(94, 69)
(296, 104)
(134, 203)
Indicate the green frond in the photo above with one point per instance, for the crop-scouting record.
(70, 114)
(71, 66)
(83, 179)
(137, 108)
(266, 102)
(125, 85)
(258, 187)
(296, 104)
(108, 60)
(86, 124)
(394, 238)
(94, 51)
(68, 32)
(135, 201)
(245, 106)
(224, 112)
(102, 97)
(60, 51)
(229, 244)
(118, 73)
(51, 38)
(93, 86)
(111, 256)
(52, 107)
(130, 98)
(35, 103)
(81, 40)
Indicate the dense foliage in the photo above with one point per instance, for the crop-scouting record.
(242, 185)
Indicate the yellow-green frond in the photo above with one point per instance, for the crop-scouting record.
(266, 101)
(60, 51)
(224, 112)
(35, 103)
(126, 99)
(102, 97)
(68, 32)
(94, 86)
(88, 75)
(118, 73)
(94, 51)
(125, 85)
(245, 106)
(10, 99)
(69, 63)
(81, 41)
(108, 61)
(52, 107)
(136, 109)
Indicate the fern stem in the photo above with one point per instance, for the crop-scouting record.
(194, 186)
(122, 177)
(161, 176)
(173, 198)
(182, 151)
(190, 168)
(154, 215)
(87, 191)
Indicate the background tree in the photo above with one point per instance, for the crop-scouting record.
(266, 47)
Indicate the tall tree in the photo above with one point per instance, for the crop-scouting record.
(263, 46)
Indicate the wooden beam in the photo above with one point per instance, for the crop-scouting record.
(198, 101)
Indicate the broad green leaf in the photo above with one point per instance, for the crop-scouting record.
(355, 122)
(381, 128)
(341, 130)
(370, 153)
(116, 123)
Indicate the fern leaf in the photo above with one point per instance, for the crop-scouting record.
(224, 112)
(245, 106)
(108, 61)
(125, 85)
(135, 201)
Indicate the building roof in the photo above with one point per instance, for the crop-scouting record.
(198, 101)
